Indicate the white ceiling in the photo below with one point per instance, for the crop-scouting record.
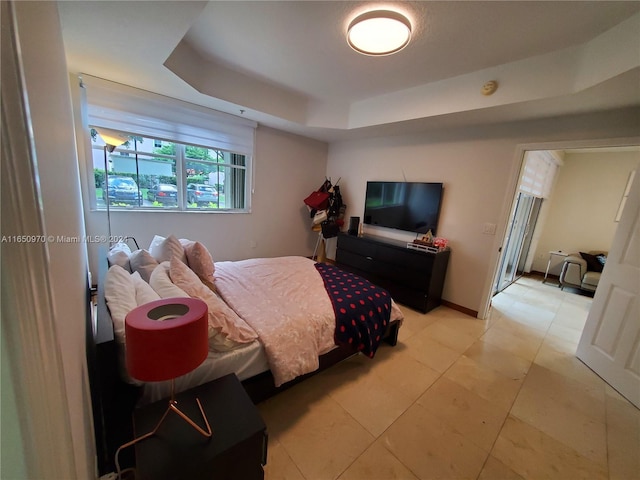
(287, 64)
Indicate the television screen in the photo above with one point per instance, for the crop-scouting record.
(409, 206)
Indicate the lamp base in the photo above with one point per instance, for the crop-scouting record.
(172, 407)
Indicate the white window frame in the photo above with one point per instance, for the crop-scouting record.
(137, 112)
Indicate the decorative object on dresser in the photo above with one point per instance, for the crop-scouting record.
(414, 278)
(354, 226)
(238, 450)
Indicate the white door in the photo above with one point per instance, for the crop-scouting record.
(610, 342)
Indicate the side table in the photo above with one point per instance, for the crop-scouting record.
(237, 449)
(556, 253)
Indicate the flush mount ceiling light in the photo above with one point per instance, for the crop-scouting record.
(379, 32)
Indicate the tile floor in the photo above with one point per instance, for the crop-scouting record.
(461, 398)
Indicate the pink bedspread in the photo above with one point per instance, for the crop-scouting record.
(284, 300)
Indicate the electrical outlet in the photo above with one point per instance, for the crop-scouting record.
(489, 228)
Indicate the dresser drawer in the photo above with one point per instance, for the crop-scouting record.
(404, 258)
(355, 260)
(357, 245)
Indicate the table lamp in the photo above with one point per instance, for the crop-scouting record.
(166, 339)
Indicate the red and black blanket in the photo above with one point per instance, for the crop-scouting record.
(362, 309)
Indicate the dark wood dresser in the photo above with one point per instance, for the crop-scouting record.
(413, 278)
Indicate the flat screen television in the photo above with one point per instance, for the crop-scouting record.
(408, 206)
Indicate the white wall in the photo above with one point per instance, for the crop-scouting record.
(51, 115)
(287, 169)
(478, 167)
(584, 203)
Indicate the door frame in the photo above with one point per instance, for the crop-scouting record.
(511, 197)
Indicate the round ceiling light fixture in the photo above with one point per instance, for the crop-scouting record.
(379, 32)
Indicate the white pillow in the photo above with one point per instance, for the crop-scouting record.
(120, 294)
(162, 249)
(155, 243)
(162, 284)
(142, 262)
(144, 292)
(226, 329)
(119, 255)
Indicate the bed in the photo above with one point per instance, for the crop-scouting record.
(258, 362)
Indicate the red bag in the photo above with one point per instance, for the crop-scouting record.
(317, 200)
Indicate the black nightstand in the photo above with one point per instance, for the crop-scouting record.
(237, 449)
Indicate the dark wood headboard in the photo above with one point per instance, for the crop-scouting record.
(112, 399)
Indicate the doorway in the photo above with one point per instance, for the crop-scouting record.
(518, 240)
(512, 255)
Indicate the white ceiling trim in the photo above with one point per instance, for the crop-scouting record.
(286, 64)
(550, 75)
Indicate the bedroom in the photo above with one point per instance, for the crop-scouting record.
(450, 152)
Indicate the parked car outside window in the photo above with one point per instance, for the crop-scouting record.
(163, 193)
(122, 190)
(201, 194)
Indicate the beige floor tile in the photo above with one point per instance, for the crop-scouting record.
(377, 463)
(464, 322)
(517, 340)
(518, 290)
(431, 353)
(567, 410)
(565, 333)
(402, 371)
(279, 464)
(535, 455)
(351, 370)
(547, 299)
(438, 402)
(532, 314)
(494, 469)
(509, 324)
(572, 315)
(372, 402)
(455, 337)
(431, 448)
(414, 322)
(623, 438)
(288, 408)
(325, 440)
(485, 382)
(558, 355)
(503, 301)
(474, 417)
(497, 359)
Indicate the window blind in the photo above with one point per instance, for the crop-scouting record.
(538, 173)
(120, 107)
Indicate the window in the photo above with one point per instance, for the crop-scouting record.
(178, 156)
(148, 173)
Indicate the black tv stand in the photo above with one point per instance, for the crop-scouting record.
(413, 278)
